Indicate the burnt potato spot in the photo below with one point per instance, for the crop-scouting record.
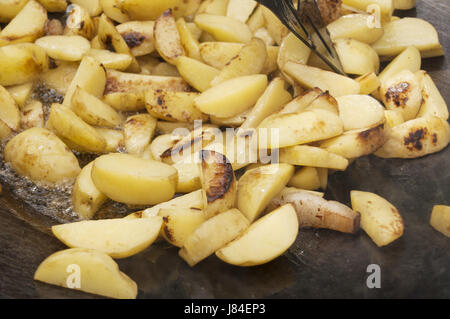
(108, 44)
(414, 140)
(398, 94)
(167, 231)
(133, 39)
(219, 174)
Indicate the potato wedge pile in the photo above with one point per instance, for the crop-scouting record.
(215, 101)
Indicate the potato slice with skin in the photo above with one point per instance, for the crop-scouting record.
(359, 111)
(163, 127)
(174, 106)
(21, 93)
(92, 6)
(292, 49)
(79, 22)
(138, 131)
(249, 61)
(32, 115)
(357, 57)
(440, 219)
(324, 102)
(409, 59)
(357, 143)
(311, 77)
(114, 139)
(10, 8)
(212, 235)
(196, 73)
(379, 218)
(386, 7)
(257, 187)
(167, 38)
(132, 180)
(266, 239)
(165, 69)
(305, 178)
(433, 104)
(111, 60)
(67, 124)
(218, 183)
(316, 212)
(112, 10)
(217, 7)
(402, 33)
(273, 98)
(93, 111)
(9, 112)
(54, 5)
(27, 25)
(298, 128)
(41, 156)
(145, 10)
(303, 155)
(188, 177)
(355, 26)
(188, 41)
(402, 92)
(139, 36)
(21, 63)
(118, 238)
(90, 76)
(416, 138)
(224, 28)
(65, 48)
(100, 274)
(180, 223)
(232, 97)
(86, 198)
(301, 102)
(368, 83)
(127, 102)
(161, 144)
(393, 118)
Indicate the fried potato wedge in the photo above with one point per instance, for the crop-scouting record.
(433, 103)
(188, 40)
(114, 139)
(161, 144)
(149, 10)
(111, 60)
(65, 48)
(368, 83)
(93, 7)
(305, 178)
(301, 102)
(139, 36)
(275, 27)
(167, 37)
(108, 281)
(379, 218)
(188, 177)
(359, 111)
(386, 7)
(408, 59)
(79, 22)
(241, 9)
(9, 111)
(118, 238)
(113, 11)
(212, 235)
(440, 219)
(416, 138)
(132, 180)
(32, 115)
(357, 57)
(54, 5)
(304, 155)
(138, 131)
(42, 157)
(355, 26)
(10, 8)
(224, 28)
(292, 49)
(199, 75)
(258, 186)
(20, 93)
(266, 239)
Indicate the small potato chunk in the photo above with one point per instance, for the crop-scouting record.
(440, 219)
(257, 187)
(167, 38)
(212, 235)
(67, 124)
(357, 57)
(232, 97)
(174, 106)
(359, 111)
(180, 223)
(188, 177)
(283, 130)
(149, 10)
(402, 33)
(218, 183)
(249, 61)
(138, 131)
(86, 198)
(139, 36)
(368, 83)
(32, 115)
(379, 218)
(266, 239)
(188, 40)
(224, 28)
(196, 73)
(433, 103)
(357, 143)
(108, 280)
(303, 155)
(416, 138)
(316, 212)
(305, 178)
(9, 112)
(79, 22)
(65, 48)
(409, 59)
(27, 25)
(128, 179)
(41, 156)
(21, 63)
(355, 26)
(118, 238)
(111, 60)
(311, 77)
(402, 92)
(93, 111)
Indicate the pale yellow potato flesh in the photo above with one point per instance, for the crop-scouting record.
(368, 83)
(404, 4)
(86, 198)
(188, 177)
(212, 235)
(379, 218)
(393, 118)
(304, 155)
(232, 97)
(191, 201)
(60, 78)
(161, 144)
(292, 49)
(359, 111)
(9, 111)
(99, 273)
(79, 22)
(66, 48)
(138, 131)
(305, 178)
(440, 219)
(132, 180)
(54, 5)
(189, 42)
(20, 93)
(112, 10)
(217, 7)
(32, 115)
(118, 238)
(114, 139)
(224, 28)
(409, 59)
(257, 187)
(302, 101)
(42, 157)
(357, 57)
(241, 9)
(433, 103)
(386, 7)
(167, 38)
(180, 223)
(199, 75)
(10, 8)
(149, 10)
(92, 6)
(355, 26)
(276, 29)
(111, 60)
(266, 239)
(141, 35)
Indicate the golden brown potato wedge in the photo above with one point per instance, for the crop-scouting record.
(304, 155)
(356, 26)
(111, 60)
(305, 178)
(9, 111)
(360, 111)
(79, 22)
(188, 40)
(224, 28)
(149, 10)
(113, 11)
(433, 103)
(65, 48)
(138, 131)
(167, 37)
(357, 57)
(440, 219)
(139, 36)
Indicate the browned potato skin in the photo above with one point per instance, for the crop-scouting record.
(316, 212)
(167, 38)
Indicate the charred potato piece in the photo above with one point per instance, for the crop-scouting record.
(139, 36)
(79, 22)
(138, 131)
